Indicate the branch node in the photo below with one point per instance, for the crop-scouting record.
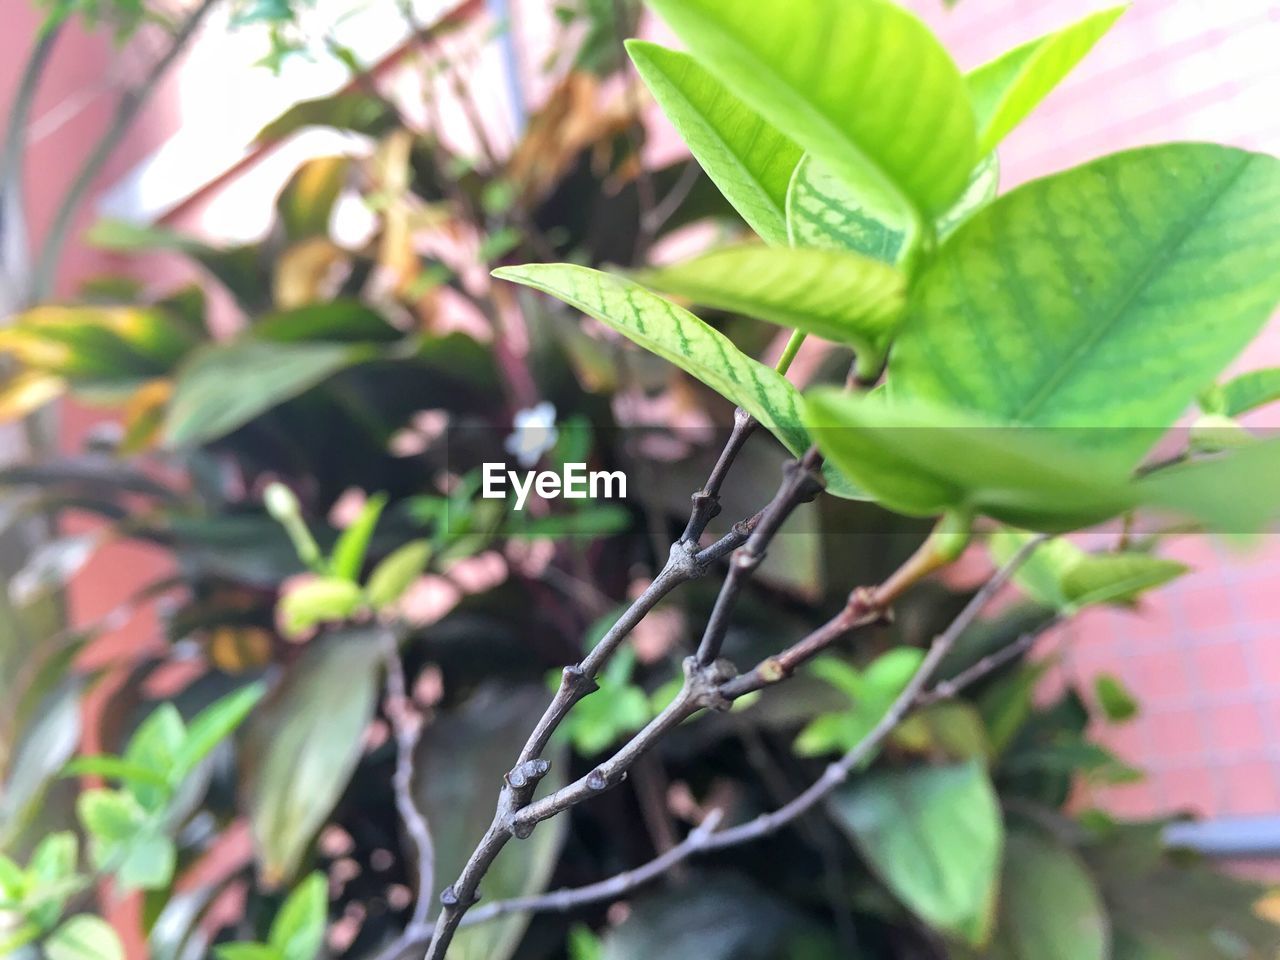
(596, 780)
(703, 682)
(526, 775)
(577, 682)
(449, 898)
(522, 829)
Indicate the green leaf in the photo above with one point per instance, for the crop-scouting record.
(154, 745)
(114, 768)
(675, 335)
(825, 212)
(864, 87)
(1116, 701)
(1062, 575)
(242, 270)
(297, 932)
(84, 937)
(1036, 310)
(110, 816)
(148, 862)
(1050, 908)
(224, 386)
(839, 296)
(354, 111)
(749, 160)
(870, 692)
(349, 552)
(52, 733)
(1006, 90)
(1243, 393)
(934, 836)
(924, 462)
(304, 743)
(335, 321)
(463, 755)
(714, 917)
(396, 573)
(306, 203)
(211, 726)
(323, 600)
(246, 951)
(984, 183)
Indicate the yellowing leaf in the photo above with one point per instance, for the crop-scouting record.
(28, 391)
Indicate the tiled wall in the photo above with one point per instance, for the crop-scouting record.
(1204, 657)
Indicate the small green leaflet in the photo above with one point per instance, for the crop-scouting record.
(1067, 577)
(1008, 88)
(1105, 297)
(1244, 393)
(745, 157)
(675, 335)
(827, 212)
(839, 296)
(864, 87)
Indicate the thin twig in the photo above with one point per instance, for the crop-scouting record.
(705, 838)
(947, 689)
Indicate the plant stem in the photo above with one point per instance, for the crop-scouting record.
(705, 838)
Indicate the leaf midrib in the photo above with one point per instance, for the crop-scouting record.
(1088, 344)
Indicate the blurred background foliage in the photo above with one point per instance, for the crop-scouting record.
(974, 834)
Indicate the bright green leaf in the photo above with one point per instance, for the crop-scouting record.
(1007, 89)
(934, 835)
(675, 335)
(323, 600)
(864, 87)
(349, 552)
(871, 693)
(839, 296)
(924, 462)
(304, 743)
(147, 863)
(1243, 393)
(827, 212)
(110, 816)
(246, 951)
(84, 937)
(224, 386)
(745, 157)
(396, 573)
(984, 184)
(154, 745)
(211, 726)
(1114, 698)
(297, 932)
(114, 768)
(1037, 311)
(1062, 575)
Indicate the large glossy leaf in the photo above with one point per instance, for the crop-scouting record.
(1008, 88)
(1105, 297)
(839, 296)
(45, 746)
(459, 767)
(712, 918)
(84, 937)
(224, 386)
(923, 461)
(747, 158)
(676, 335)
(304, 743)
(864, 87)
(1050, 908)
(934, 836)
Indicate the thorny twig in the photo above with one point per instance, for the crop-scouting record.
(705, 838)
